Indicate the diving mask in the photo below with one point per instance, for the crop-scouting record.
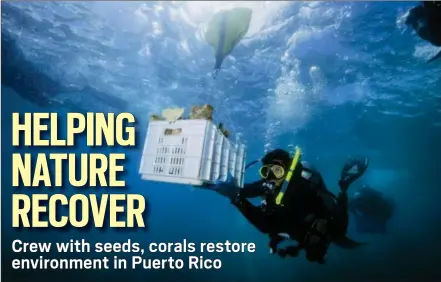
(273, 171)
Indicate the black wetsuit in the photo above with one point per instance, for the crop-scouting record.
(433, 15)
(305, 200)
(426, 21)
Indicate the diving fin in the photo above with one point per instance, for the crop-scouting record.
(347, 243)
(225, 30)
(437, 56)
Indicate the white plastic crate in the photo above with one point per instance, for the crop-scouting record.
(190, 152)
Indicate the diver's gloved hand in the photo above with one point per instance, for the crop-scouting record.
(226, 188)
(290, 251)
(352, 170)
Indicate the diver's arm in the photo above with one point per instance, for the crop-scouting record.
(341, 215)
(252, 190)
(264, 222)
(344, 185)
(231, 191)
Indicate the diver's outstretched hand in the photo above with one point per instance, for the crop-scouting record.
(353, 169)
(226, 188)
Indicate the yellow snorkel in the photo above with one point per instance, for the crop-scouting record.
(295, 161)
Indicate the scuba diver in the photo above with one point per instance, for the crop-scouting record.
(297, 205)
(371, 210)
(425, 19)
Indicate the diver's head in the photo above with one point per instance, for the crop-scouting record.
(277, 156)
(275, 165)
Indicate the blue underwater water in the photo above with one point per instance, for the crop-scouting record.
(338, 79)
